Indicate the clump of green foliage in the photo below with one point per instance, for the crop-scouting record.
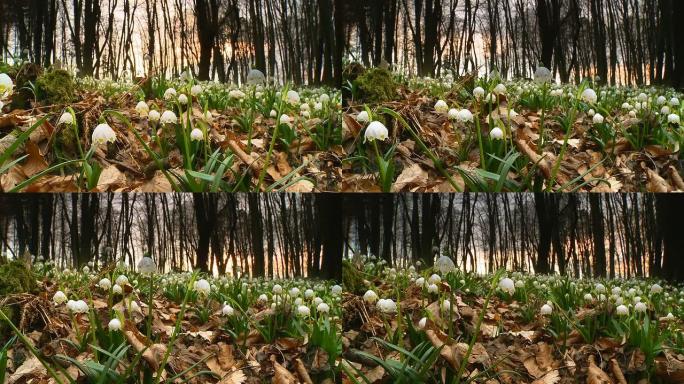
(56, 86)
(376, 85)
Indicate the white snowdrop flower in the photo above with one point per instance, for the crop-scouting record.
(507, 285)
(589, 96)
(147, 266)
(478, 92)
(376, 131)
(142, 108)
(626, 105)
(446, 306)
(277, 289)
(324, 98)
(362, 117)
(496, 133)
(323, 308)
(103, 133)
(519, 284)
(170, 94)
(134, 306)
(236, 94)
(422, 323)
(154, 116)
(59, 297)
(183, 99)
(656, 288)
(642, 97)
(262, 298)
(546, 310)
(309, 293)
(588, 297)
(616, 290)
(637, 299)
(669, 317)
(433, 288)
(273, 306)
(490, 98)
(208, 117)
(445, 265)
(318, 106)
(591, 112)
(640, 307)
(116, 289)
(434, 279)
(78, 306)
(420, 281)
(370, 296)
(86, 269)
(202, 286)
(196, 135)
(285, 119)
(441, 106)
(114, 325)
(622, 310)
(602, 297)
(227, 310)
(293, 97)
(294, 291)
(665, 110)
(632, 113)
(105, 284)
(336, 290)
(387, 306)
(673, 118)
(465, 116)
(168, 117)
(661, 100)
(542, 75)
(452, 114)
(273, 113)
(6, 85)
(674, 102)
(305, 114)
(66, 119)
(500, 89)
(317, 300)
(619, 300)
(304, 107)
(303, 311)
(121, 280)
(598, 118)
(196, 90)
(600, 287)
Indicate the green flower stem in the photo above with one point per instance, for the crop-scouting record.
(30, 347)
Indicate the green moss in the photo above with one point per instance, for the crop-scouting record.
(15, 277)
(352, 278)
(377, 85)
(56, 86)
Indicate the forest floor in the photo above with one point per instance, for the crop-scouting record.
(533, 135)
(167, 135)
(222, 330)
(410, 326)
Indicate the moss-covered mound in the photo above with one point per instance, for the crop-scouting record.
(352, 278)
(15, 277)
(377, 85)
(56, 86)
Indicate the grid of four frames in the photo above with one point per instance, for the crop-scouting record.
(341, 191)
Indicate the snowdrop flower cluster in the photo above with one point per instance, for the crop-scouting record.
(387, 306)
(78, 306)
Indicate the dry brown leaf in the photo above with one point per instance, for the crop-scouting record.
(595, 375)
(551, 377)
(282, 375)
(410, 177)
(30, 369)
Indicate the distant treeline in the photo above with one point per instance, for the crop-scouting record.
(291, 40)
(257, 234)
(626, 41)
(602, 235)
